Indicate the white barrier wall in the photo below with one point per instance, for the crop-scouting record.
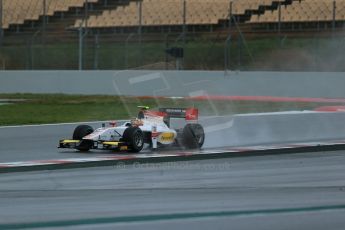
(175, 83)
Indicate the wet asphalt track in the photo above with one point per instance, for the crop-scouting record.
(25, 143)
(295, 191)
(36, 142)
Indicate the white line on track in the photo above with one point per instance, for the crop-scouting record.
(55, 124)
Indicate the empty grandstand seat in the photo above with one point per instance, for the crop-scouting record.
(16, 12)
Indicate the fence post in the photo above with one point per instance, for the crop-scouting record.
(226, 54)
(32, 53)
(126, 50)
(80, 65)
(166, 48)
(95, 63)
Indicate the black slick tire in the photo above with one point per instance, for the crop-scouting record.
(193, 136)
(78, 134)
(134, 137)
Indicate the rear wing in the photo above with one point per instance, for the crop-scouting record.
(190, 114)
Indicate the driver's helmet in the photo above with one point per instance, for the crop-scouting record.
(141, 114)
(137, 122)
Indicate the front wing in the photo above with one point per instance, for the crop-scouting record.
(102, 145)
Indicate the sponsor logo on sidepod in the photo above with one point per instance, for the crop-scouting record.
(166, 138)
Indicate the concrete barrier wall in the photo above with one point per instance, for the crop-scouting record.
(257, 129)
(175, 83)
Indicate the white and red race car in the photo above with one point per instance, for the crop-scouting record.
(150, 127)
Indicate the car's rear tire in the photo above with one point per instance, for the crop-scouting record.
(193, 136)
(135, 138)
(78, 134)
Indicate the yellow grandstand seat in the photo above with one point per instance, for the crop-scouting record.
(16, 12)
(170, 12)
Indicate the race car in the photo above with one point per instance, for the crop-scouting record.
(150, 127)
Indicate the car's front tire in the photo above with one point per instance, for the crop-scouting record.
(78, 134)
(135, 138)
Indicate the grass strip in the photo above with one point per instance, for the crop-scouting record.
(60, 108)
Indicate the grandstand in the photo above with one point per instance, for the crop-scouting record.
(20, 15)
(170, 13)
(17, 12)
(305, 11)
